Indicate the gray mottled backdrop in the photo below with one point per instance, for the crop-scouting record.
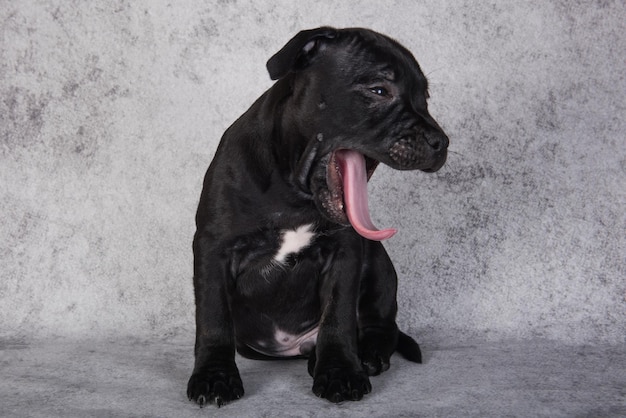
(110, 112)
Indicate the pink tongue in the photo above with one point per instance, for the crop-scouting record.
(352, 168)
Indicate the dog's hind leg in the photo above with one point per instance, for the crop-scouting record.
(377, 308)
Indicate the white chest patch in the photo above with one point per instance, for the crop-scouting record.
(294, 241)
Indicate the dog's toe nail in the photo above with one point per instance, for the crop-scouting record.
(356, 395)
(237, 393)
(318, 391)
(336, 398)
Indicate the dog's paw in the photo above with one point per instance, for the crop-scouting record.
(375, 350)
(338, 385)
(374, 363)
(215, 387)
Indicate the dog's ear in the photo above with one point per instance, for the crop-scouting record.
(298, 51)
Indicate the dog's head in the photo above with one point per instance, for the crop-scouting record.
(362, 99)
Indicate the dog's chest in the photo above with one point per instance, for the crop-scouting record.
(276, 307)
(293, 241)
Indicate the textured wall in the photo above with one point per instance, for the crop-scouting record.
(110, 112)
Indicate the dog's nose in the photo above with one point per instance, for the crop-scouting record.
(434, 135)
(437, 140)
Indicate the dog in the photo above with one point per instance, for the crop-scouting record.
(287, 262)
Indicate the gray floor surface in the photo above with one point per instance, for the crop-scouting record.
(119, 377)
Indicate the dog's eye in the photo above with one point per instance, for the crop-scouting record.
(379, 91)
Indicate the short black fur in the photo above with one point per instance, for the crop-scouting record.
(336, 89)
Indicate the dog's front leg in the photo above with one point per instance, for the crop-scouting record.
(335, 366)
(215, 377)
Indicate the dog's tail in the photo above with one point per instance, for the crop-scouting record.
(408, 348)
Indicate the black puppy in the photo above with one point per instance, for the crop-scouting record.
(286, 259)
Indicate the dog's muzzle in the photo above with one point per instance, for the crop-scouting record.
(340, 185)
(427, 153)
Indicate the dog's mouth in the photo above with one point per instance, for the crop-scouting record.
(344, 199)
